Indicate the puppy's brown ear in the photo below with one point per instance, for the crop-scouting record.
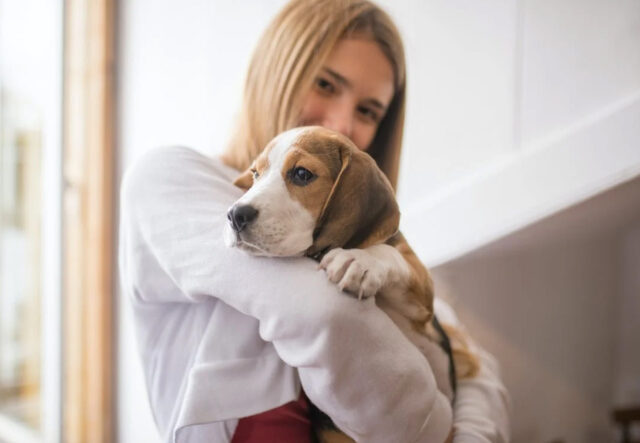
(361, 209)
(244, 180)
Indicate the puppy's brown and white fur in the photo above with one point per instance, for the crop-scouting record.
(312, 192)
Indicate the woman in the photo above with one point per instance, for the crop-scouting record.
(228, 339)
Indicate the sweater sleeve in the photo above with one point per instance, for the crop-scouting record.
(481, 410)
(352, 360)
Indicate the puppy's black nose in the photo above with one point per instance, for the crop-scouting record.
(241, 216)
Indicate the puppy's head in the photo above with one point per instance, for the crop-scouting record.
(311, 190)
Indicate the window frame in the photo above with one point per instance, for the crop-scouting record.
(88, 221)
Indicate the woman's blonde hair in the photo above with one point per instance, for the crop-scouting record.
(286, 61)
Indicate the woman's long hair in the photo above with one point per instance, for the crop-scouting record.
(286, 61)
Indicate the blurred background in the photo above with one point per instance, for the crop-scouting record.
(519, 188)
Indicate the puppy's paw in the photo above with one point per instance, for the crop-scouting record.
(355, 270)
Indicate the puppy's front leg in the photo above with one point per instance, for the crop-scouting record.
(420, 284)
(365, 272)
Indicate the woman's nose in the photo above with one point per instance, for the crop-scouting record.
(339, 120)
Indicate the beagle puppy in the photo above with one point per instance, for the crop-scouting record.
(312, 192)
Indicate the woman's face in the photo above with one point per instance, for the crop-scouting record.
(352, 92)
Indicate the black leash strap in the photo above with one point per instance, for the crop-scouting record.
(445, 343)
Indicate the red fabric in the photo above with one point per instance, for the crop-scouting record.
(287, 424)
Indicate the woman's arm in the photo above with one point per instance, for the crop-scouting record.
(481, 410)
(353, 362)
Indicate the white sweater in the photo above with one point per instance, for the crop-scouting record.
(224, 335)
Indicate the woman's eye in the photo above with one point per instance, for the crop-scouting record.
(301, 176)
(255, 173)
(324, 85)
(369, 114)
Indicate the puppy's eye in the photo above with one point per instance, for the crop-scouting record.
(301, 176)
(255, 173)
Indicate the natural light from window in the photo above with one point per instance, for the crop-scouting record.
(29, 139)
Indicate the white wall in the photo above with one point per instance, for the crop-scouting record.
(181, 69)
(461, 83)
(579, 58)
(503, 95)
(549, 315)
(573, 82)
(627, 367)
